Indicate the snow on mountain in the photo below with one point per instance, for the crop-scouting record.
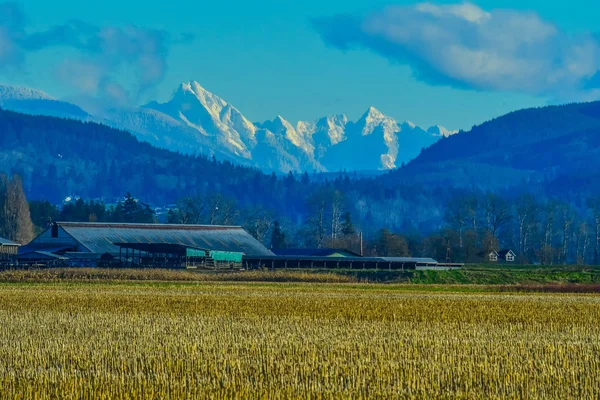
(299, 136)
(440, 131)
(161, 130)
(196, 121)
(334, 128)
(328, 132)
(21, 93)
(211, 116)
(36, 102)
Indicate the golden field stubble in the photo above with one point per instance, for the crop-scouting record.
(299, 341)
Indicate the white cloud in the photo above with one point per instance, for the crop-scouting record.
(102, 53)
(464, 46)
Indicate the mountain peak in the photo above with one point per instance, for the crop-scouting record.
(373, 113)
(280, 119)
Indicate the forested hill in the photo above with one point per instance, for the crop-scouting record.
(534, 148)
(59, 157)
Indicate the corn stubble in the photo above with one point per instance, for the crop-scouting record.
(132, 341)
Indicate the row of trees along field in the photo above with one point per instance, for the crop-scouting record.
(546, 232)
(475, 223)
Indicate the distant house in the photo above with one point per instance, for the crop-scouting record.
(333, 253)
(8, 249)
(502, 256)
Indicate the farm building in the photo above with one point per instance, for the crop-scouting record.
(356, 262)
(8, 249)
(185, 246)
(84, 243)
(339, 253)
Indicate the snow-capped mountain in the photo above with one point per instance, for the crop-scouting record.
(218, 127)
(36, 102)
(196, 121)
(210, 116)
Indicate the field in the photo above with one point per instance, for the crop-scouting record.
(156, 340)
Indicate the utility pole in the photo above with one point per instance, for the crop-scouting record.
(361, 244)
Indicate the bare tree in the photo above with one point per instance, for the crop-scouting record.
(548, 234)
(337, 212)
(191, 210)
(15, 218)
(583, 240)
(527, 211)
(567, 216)
(456, 216)
(593, 204)
(497, 214)
(258, 223)
(317, 206)
(471, 206)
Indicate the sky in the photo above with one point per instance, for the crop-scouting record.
(449, 63)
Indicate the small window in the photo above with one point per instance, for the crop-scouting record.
(510, 258)
(493, 258)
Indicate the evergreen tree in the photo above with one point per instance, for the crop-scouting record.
(348, 228)
(278, 237)
(135, 211)
(305, 180)
(43, 213)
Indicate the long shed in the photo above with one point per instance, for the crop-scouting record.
(100, 238)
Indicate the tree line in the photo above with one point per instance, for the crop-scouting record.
(546, 231)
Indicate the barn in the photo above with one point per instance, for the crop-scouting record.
(86, 243)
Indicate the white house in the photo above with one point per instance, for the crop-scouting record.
(502, 256)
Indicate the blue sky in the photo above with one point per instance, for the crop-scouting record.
(302, 59)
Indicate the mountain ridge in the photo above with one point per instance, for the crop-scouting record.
(196, 121)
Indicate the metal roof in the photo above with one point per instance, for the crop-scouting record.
(101, 237)
(41, 255)
(410, 260)
(33, 247)
(322, 252)
(6, 242)
(383, 260)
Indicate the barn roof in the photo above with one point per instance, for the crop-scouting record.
(101, 237)
(6, 242)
